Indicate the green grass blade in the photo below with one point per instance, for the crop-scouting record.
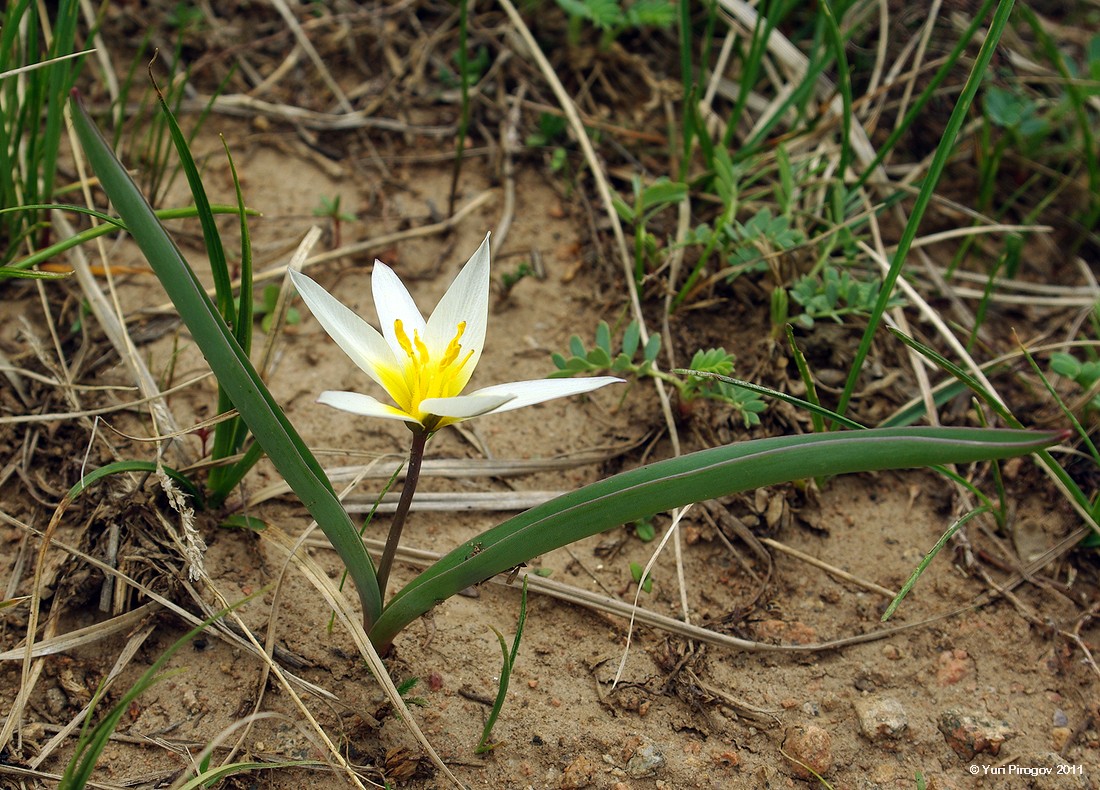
(815, 409)
(229, 436)
(93, 740)
(210, 234)
(807, 378)
(509, 661)
(230, 365)
(917, 411)
(145, 467)
(110, 224)
(214, 775)
(924, 563)
(1056, 469)
(961, 375)
(924, 197)
(678, 481)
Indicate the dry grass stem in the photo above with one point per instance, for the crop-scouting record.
(832, 570)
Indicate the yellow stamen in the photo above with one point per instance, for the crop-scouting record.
(425, 379)
(402, 338)
(453, 347)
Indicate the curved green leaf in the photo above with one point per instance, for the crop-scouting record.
(691, 478)
(234, 371)
(121, 467)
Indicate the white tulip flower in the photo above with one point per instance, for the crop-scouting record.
(424, 365)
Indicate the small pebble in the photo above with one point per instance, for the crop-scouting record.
(881, 718)
(953, 666)
(970, 734)
(578, 774)
(646, 760)
(812, 747)
(1059, 737)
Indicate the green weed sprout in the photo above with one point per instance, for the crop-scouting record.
(1084, 374)
(690, 387)
(551, 131)
(423, 365)
(267, 308)
(835, 294)
(508, 663)
(329, 208)
(612, 18)
(648, 202)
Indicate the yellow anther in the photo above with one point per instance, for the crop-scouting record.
(454, 347)
(402, 338)
(421, 349)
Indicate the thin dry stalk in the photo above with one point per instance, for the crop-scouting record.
(311, 51)
(603, 187)
(108, 317)
(832, 570)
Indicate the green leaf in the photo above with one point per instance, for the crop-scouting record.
(631, 337)
(241, 521)
(603, 337)
(598, 358)
(663, 193)
(1065, 365)
(675, 482)
(145, 467)
(234, 371)
(623, 209)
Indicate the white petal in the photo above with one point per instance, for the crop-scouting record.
(528, 393)
(365, 405)
(393, 302)
(463, 407)
(356, 337)
(466, 299)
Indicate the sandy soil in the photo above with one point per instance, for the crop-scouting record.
(967, 687)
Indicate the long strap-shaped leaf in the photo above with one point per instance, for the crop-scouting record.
(691, 478)
(230, 364)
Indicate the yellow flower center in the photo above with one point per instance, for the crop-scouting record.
(426, 377)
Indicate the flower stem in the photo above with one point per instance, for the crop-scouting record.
(412, 476)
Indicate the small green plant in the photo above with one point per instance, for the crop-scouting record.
(644, 529)
(551, 133)
(612, 17)
(834, 295)
(509, 280)
(405, 690)
(1085, 374)
(603, 357)
(266, 309)
(648, 202)
(329, 208)
(32, 106)
(508, 663)
(636, 571)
